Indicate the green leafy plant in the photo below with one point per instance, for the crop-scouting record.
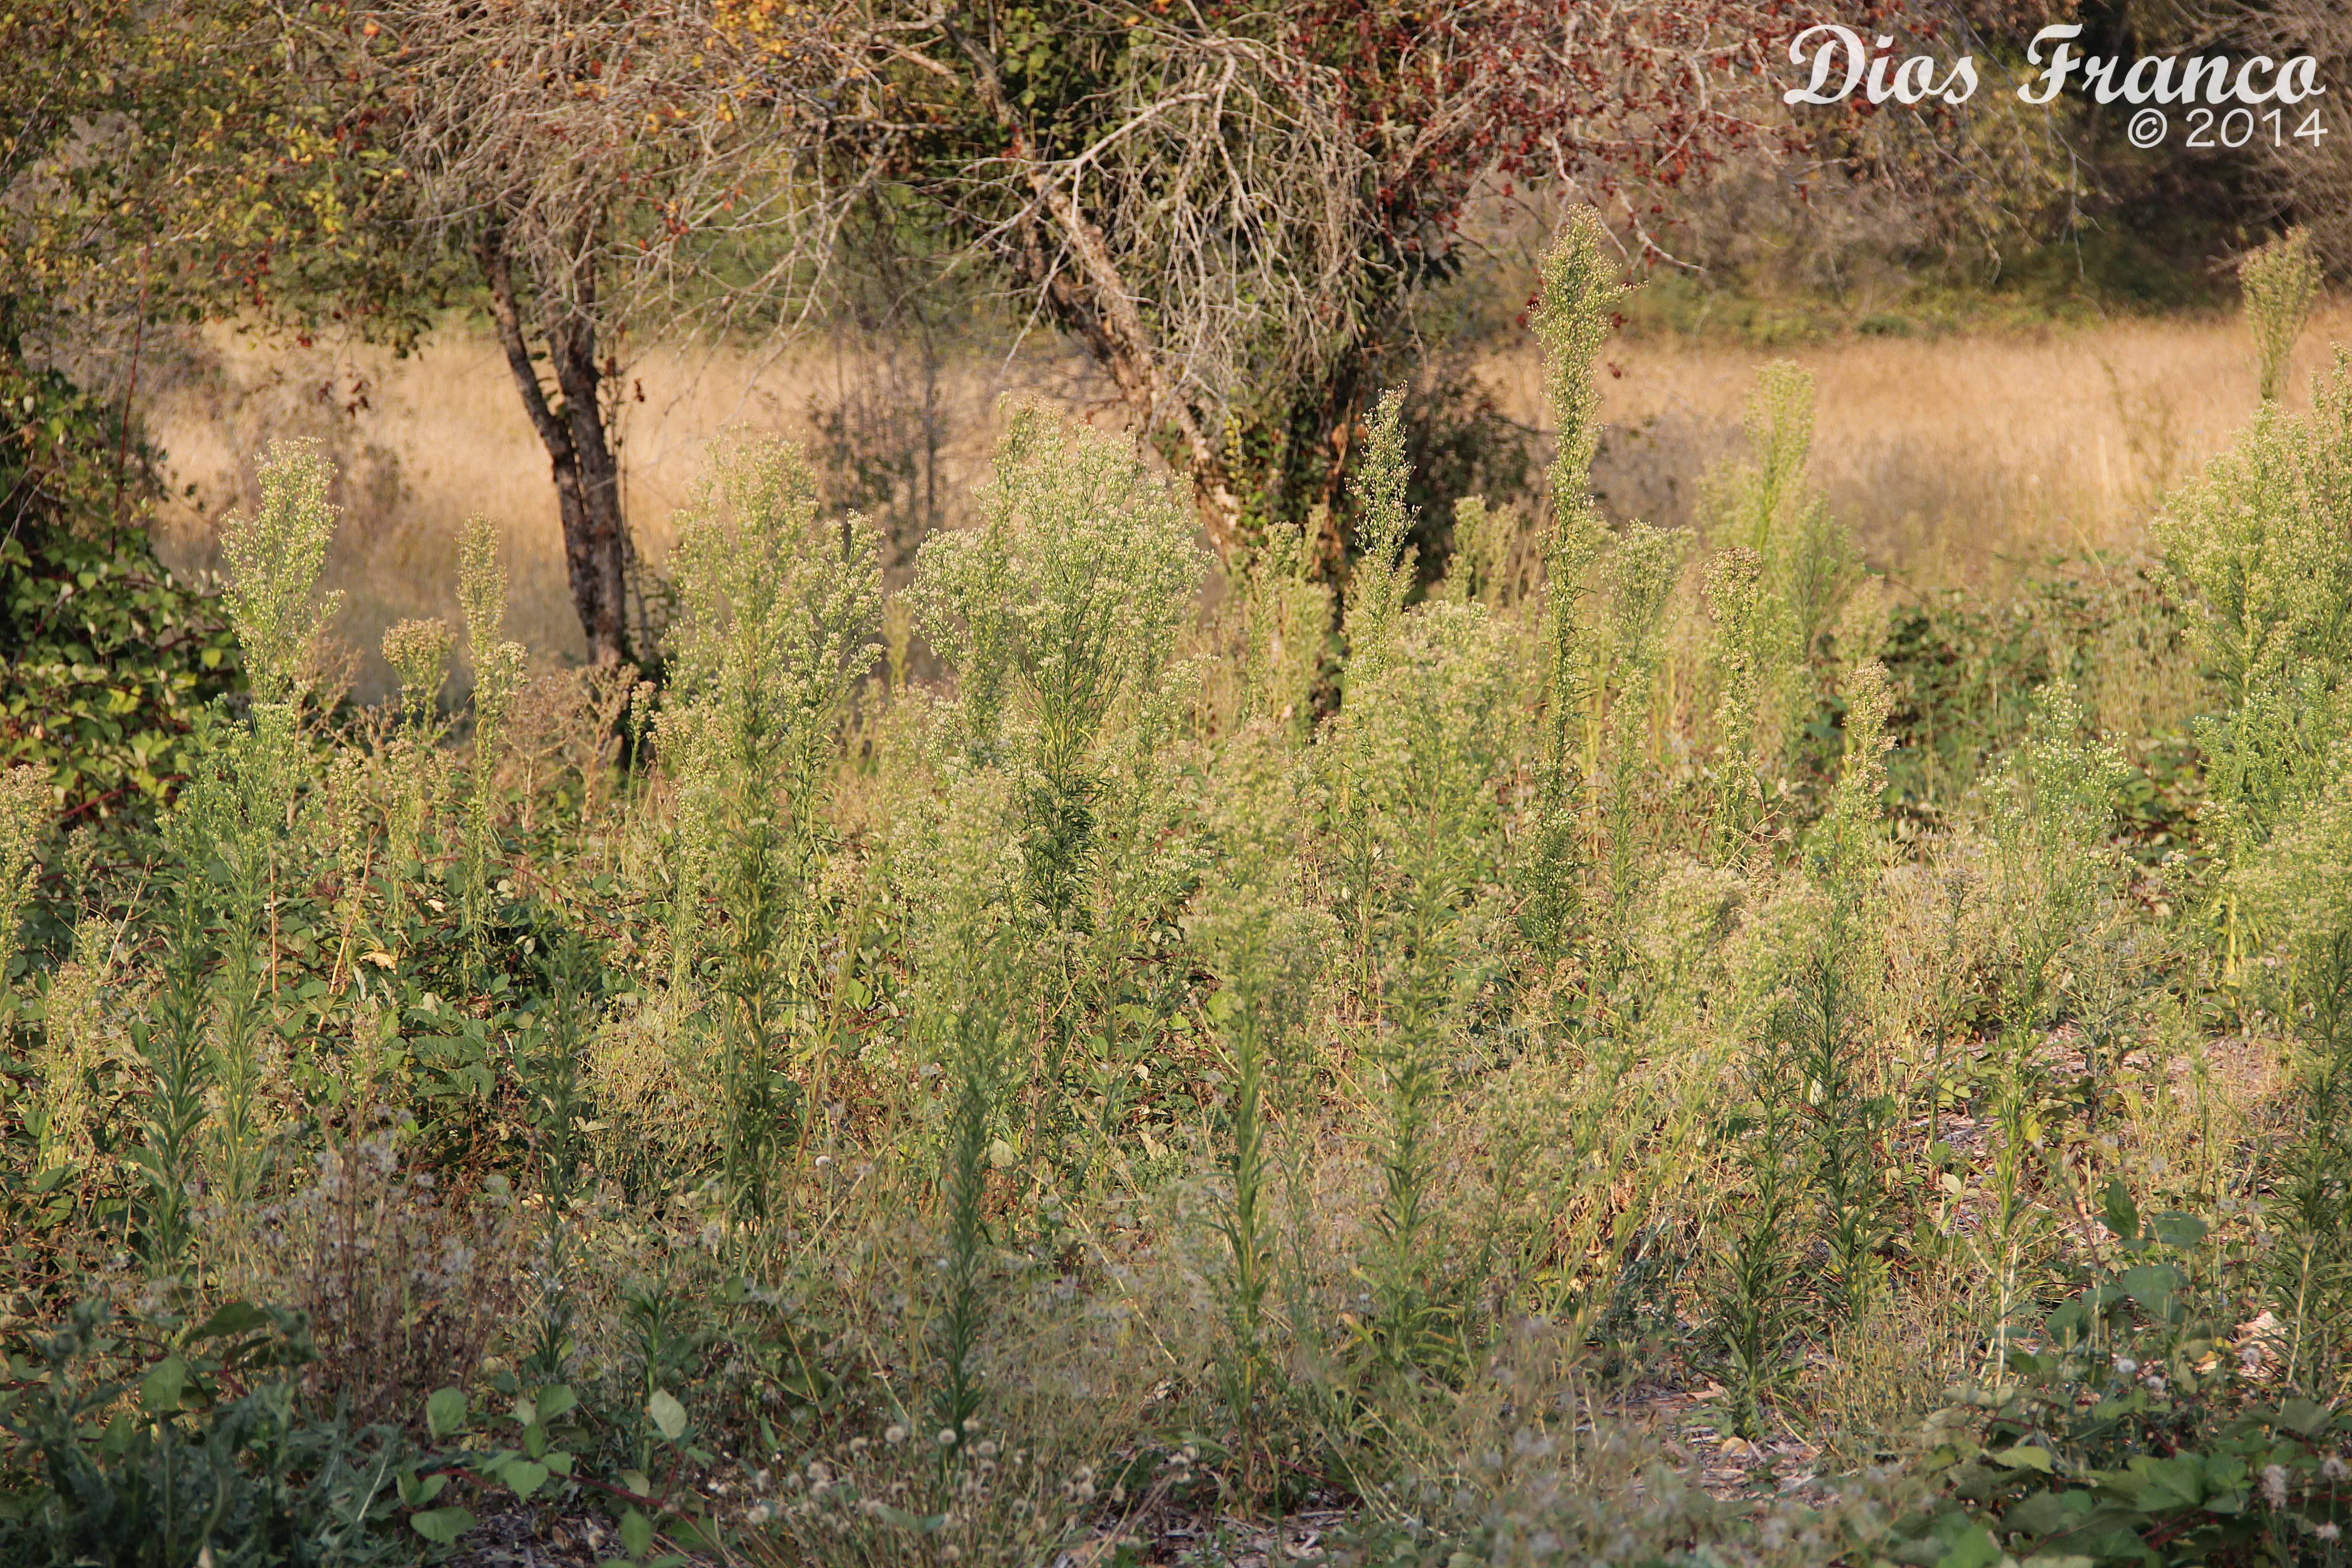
(1824, 1023)
(1580, 288)
(963, 1193)
(24, 803)
(1806, 567)
(2132, 1433)
(1060, 616)
(2300, 887)
(1565, 1064)
(775, 625)
(2280, 282)
(107, 661)
(171, 1044)
(167, 1444)
(1755, 1312)
(498, 676)
(2054, 872)
(2267, 580)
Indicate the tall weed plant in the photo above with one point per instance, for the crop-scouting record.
(777, 620)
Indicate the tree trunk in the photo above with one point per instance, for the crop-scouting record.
(587, 479)
(598, 554)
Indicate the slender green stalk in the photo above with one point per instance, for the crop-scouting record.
(498, 676)
(1249, 1240)
(963, 1187)
(418, 652)
(1579, 294)
(1756, 1313)
(170, 1042)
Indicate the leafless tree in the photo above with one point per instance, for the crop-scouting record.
(1227, 203)
(592, 163)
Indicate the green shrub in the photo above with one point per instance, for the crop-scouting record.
(158, 1443)
(775, 626)
(2135, 1432)
(2280, 283)
(107, 661)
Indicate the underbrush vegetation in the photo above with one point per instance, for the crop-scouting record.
(1649, 1049)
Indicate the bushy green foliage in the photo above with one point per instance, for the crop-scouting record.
(1067, 600)
(775, 625)
(1804, 563)
(25, 800)
(2299, 886)
(1060, 615)
(273, 558)
(1967, 665)
(497, 674)
(2136, 1431)
(1288, 627)
(164, 1443)
(2266, 570)
(110, 660)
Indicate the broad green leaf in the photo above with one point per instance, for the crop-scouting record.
(159, 1391)
(441, 1526)
(2121, 1216)
(233, 1318)
(2153, 1285)
(2302, 1415)
(668, 1414)
(637, 1532)
(524, 1477)
(2160, 1484)
(444, 1412)
(1975, 1547)
(2050, 1513)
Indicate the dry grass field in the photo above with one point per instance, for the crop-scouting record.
(1951, 458)
(440, 436)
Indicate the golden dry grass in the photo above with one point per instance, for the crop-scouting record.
(1952, 458)
(442, 435)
